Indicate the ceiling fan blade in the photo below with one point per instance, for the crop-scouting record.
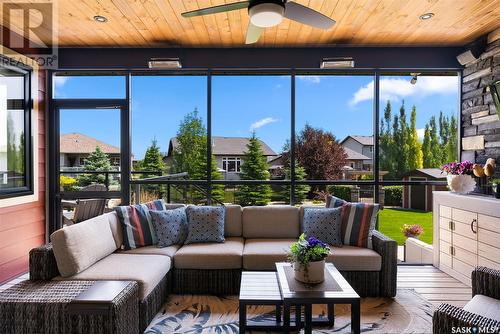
(306, 15)
(217, 9)
(253, 33)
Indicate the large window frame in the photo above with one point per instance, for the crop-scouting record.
(376, 183)
(26, 72)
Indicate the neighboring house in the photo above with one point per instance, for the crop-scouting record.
(228, 152)
(363, 146)
(420, 197)
(75, 147)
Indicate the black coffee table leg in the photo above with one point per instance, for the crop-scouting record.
(243, 317)
(331, 316)
(308, 318)
(286, 318)
(355, 317)
(298, 316)
(278, 313)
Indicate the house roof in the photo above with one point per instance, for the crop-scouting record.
(363, 140)
(431, 172)
(227, 146)
(80, 143)
(353, 155)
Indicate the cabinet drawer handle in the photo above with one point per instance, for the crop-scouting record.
(472, 226)
(452, 250)
(451, 225)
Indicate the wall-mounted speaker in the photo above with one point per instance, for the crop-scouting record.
(473, 51)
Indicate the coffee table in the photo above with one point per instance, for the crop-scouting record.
(335, 290)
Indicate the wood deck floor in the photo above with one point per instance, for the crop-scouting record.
(434, 285)
(431, 283)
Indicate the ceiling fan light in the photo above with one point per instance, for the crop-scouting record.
(266, 15)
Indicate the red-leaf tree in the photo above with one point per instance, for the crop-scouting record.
(319, 153)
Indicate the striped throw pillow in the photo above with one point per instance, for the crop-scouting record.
(358, 221)
(137, 224)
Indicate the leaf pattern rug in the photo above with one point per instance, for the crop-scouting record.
(406, 313)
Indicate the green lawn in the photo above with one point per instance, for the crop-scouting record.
(391, 221)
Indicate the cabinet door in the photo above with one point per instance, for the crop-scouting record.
(488, 236)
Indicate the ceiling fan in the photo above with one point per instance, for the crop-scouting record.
(269, 13)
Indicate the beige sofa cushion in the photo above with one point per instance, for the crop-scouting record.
(146, 270)
(274, 221)
(79, 246)
(351, 258)
(485, 306)
(153, 250)
(262, 254)
(232, 222)
(210, 255)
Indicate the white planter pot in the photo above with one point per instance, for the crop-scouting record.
(461, 184)
(312, 274)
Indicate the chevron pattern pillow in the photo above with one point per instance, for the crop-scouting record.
(137, 224)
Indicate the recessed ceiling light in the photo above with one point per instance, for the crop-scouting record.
(100, 19)
(426, 16)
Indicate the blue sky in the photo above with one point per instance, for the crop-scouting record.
(241, 104)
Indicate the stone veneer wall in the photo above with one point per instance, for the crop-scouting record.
(480, 120)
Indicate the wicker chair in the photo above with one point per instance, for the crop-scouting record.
(485, 289)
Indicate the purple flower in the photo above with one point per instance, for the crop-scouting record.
(313, 242)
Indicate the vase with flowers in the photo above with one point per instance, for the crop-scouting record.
(459, 176)
(308, 258)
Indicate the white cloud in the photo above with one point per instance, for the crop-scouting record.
(59, 81)
(396, 88)
(262, 122)
(420, 134)
(314, 79)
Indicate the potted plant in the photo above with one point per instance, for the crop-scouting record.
(459, 176)
(412, 231)
(495, 185)
(308, 258)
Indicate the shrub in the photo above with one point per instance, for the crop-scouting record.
(67, 183)
(393, 195)
(343, 192)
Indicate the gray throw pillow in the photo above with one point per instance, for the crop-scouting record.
(324, 224)
(170, 226)
(205, 224)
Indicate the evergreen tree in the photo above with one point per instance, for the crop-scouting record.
(386, 141)
(190, 155)
(96, 161)
(401, 144)
(254, 167)
(444, 138)
(152, 162)
(301, 190)
(452, 147)
(435, 146)
(426, 148)
(415, 156)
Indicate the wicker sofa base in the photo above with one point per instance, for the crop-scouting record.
(211, 282)
(154, 301)
(41, 307)
(227, 282)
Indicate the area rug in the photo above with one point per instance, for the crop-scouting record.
(407, 313)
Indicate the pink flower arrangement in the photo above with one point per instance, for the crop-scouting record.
(412, 231)
(458, 168)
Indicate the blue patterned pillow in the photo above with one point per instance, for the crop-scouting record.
(324, 224)
(205, 224)
(170, 226)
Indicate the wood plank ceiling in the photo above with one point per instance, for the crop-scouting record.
(158, 23)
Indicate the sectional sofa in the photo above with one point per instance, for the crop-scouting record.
(255, 238)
